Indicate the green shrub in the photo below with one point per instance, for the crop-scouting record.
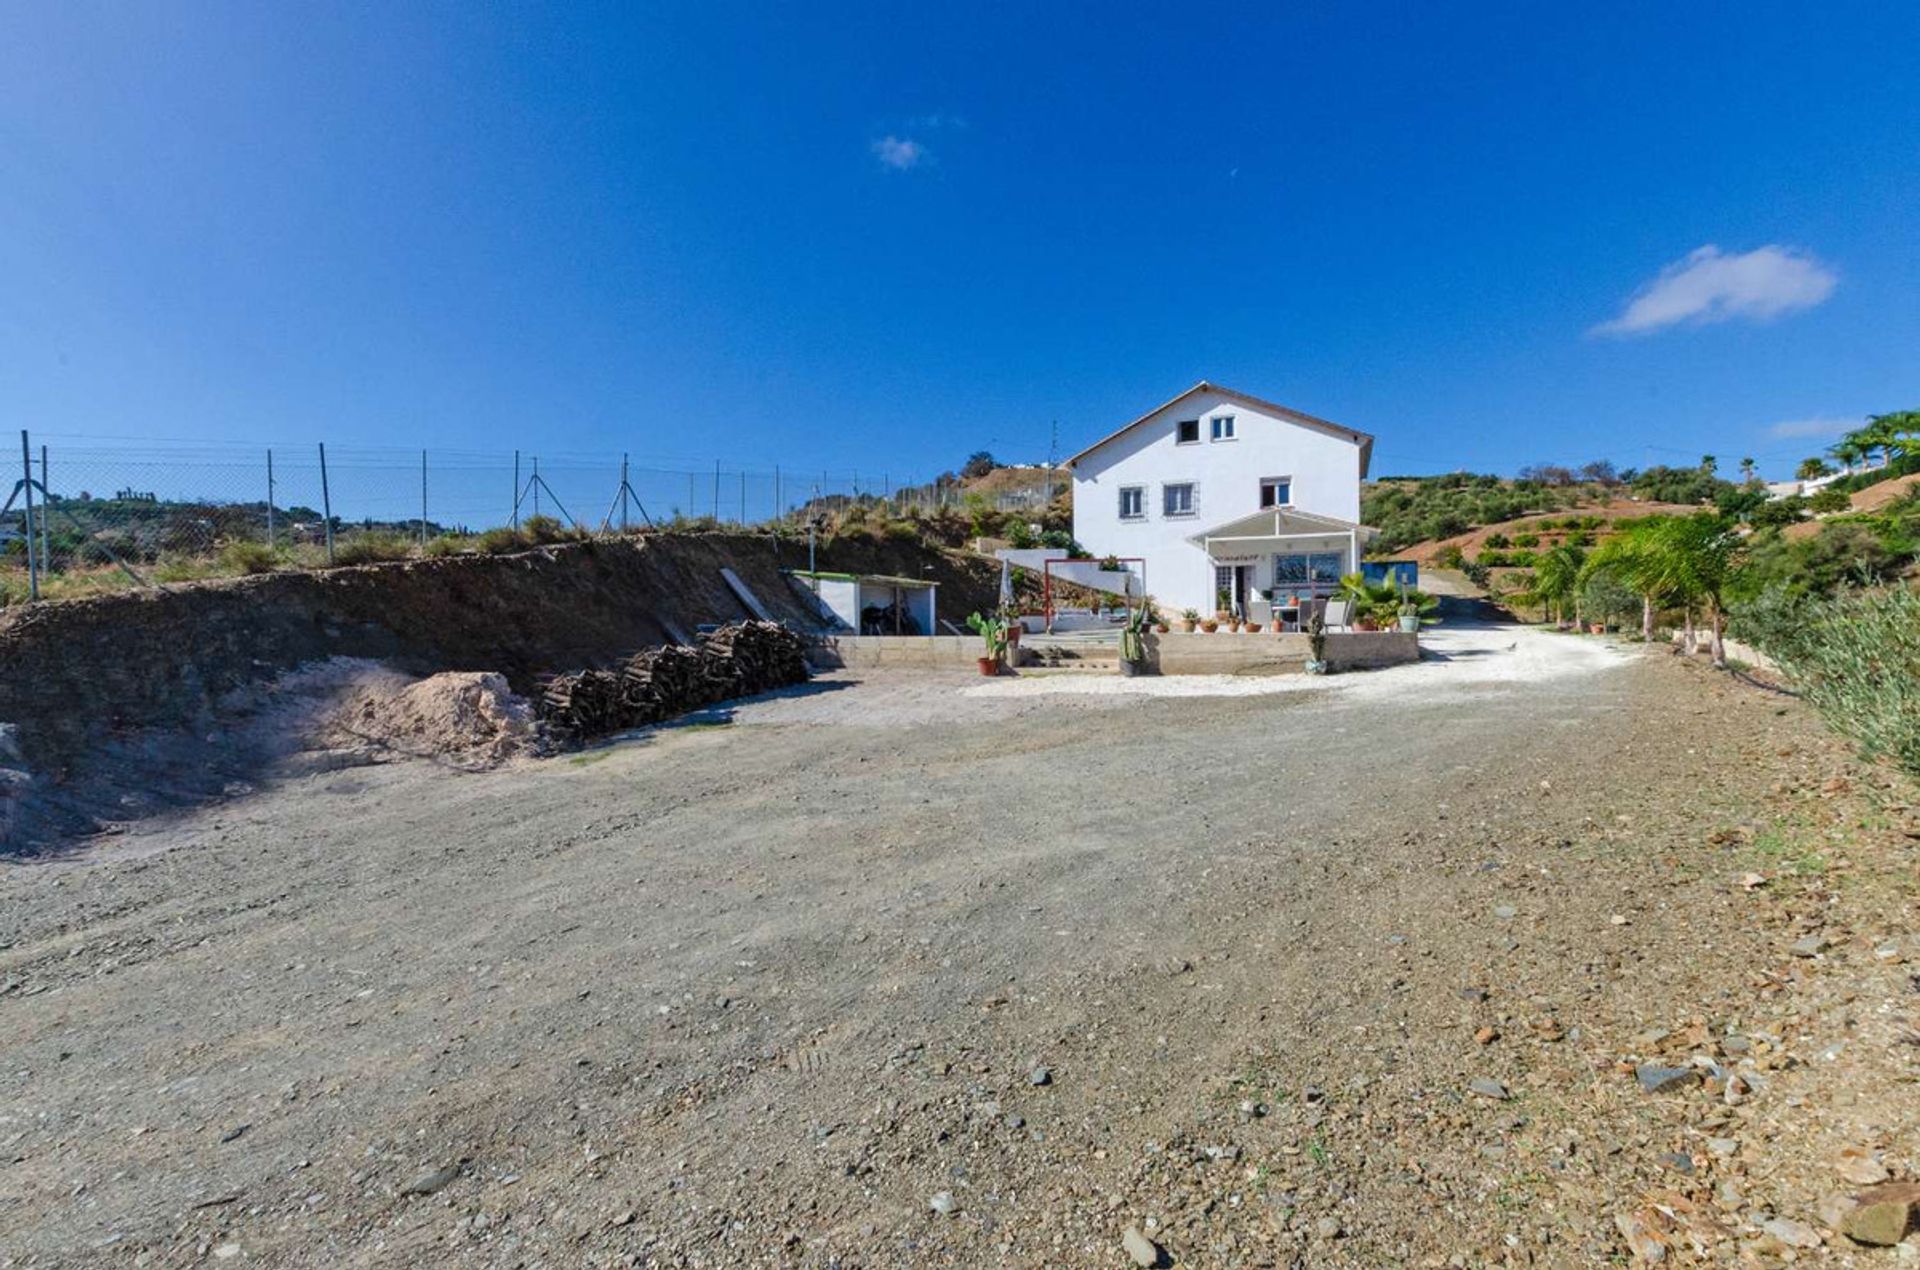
(1450, 557)
(1498, 541)
(1828, 500)
(1526, 540)
(249, 557)
(372, 548)
(442, 545)
(501, 540)
(541, 530)
(1855, 658)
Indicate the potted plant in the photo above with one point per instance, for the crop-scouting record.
(1210, 625)
(1317, 645)
(1133, 643)
(993, 630)
(1223, 608)
(1189, 618)
(1012, 619)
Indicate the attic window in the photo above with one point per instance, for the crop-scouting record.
(1223, 427)
(1187, 432)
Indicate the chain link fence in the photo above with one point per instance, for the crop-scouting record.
(86, 515)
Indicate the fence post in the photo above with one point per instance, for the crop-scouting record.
(326, 502)
(269, 499)
(46, 518)
(423, 500)
(26, 473)
(516, 490)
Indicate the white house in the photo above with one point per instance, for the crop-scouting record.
(1219, 491)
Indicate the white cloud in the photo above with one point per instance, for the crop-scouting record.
(899, 153)
(1711, 286)
(1821, 427)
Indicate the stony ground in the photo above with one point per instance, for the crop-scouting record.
(883, 974)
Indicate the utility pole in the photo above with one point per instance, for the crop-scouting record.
(423, 499)
(269, 498)
(516, 490)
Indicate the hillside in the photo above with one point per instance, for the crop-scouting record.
(1420, 516)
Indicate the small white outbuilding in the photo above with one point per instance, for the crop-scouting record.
(872, 603)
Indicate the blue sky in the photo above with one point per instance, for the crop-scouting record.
(888, 236)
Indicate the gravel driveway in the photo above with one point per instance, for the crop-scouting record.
(899, 970)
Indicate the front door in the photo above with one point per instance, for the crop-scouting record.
(1232, 580)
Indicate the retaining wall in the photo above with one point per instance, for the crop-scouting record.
(1264, 653)
(1175, 653)
(901, 652)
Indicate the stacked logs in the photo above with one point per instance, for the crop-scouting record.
(656, 684)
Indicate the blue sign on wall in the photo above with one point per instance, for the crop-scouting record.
(1399, 572)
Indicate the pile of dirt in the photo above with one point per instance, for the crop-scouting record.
(70, 670)
(471, 719)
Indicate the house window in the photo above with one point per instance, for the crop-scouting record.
(1307, 573)
(1178, 500)
(1187, 432)
(1223, 427)
(1133, 502)
(1276, 491)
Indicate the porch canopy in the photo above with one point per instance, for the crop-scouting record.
(1288, 548)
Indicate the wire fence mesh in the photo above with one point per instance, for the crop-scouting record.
(86, 514)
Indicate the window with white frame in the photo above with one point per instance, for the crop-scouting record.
(1276, 491)
(1179, 500)
(1223, 427)
(1133, 502)
(1187, 432)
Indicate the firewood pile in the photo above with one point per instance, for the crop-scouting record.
(659, 683)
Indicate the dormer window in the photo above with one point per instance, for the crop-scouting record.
(1223, 427)
(1187, 432)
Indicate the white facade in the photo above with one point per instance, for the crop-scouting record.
(1159, 487)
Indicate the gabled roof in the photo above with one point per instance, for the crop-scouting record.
(1363, 439)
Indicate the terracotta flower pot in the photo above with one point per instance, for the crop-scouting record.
(1209, 626)
(1187, 626)
(989, 666)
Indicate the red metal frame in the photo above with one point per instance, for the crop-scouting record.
(1046, 579)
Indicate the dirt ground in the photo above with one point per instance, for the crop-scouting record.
(888, 972)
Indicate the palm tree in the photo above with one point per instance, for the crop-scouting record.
(1747, 467)
(1848, 451)
(1698, 554)
(1896, 434)
(1812, 470)
(1633, 556)
(1556, 583)
(1708, 464)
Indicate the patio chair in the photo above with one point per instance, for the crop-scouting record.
(1338, 615)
